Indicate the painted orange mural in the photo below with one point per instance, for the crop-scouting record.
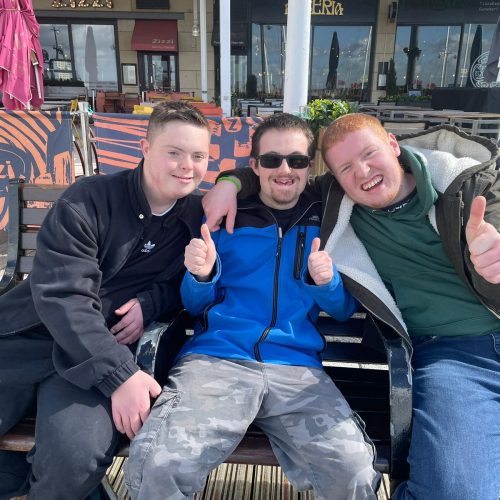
(35, 146)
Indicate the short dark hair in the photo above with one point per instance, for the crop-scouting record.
(169, 111)
(282, 121)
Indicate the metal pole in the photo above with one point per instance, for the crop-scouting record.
(225, 56)
(298, 41)
(83, 110)
(203, 50)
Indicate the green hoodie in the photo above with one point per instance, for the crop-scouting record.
(410, 258)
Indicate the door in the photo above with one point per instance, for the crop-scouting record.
(158, 71)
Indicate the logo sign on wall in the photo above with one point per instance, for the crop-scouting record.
(477, 72)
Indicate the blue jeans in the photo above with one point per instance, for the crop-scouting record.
(455, 443)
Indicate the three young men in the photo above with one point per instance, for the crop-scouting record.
(413, 227)
(109, 261)
(255, 355)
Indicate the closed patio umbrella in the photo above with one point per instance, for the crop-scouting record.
(21, 59)
(331, 79)
(91, 57)
(492, 70)
(475, 51)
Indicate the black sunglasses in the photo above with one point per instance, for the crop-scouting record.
(274, 160)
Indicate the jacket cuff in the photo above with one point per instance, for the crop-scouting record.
(118, 377)
(146, 304)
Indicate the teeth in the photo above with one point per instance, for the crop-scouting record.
(371, 184)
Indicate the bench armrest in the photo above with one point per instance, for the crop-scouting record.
(400, 394)
(159, 345)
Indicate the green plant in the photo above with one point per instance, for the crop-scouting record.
(323, 111)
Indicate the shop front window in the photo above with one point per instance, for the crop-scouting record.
(340, 62)
(428, 56)
(268, 58)
(95, 55)
(475, 49)
(56, 49)
(83, 54)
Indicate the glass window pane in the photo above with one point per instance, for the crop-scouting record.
(345, 76)
(470, 51)
(436, 65)
(238, 75)
(256, 62)
(400, 58)
(273, 59)
(95, 55)
(54, 39)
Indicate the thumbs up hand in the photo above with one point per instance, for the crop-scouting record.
(200, 254)
(483, 241)
(319, 264)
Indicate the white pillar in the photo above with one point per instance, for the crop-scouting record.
(203, 50)
(298, 41)
(225, 56)
(83, 111)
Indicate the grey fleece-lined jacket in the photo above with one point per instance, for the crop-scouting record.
(461, 167)
(86, 239)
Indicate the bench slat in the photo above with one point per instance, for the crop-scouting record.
(28, 240)
(33, 216)
(25, 264)
(38, 192)
(342, 351)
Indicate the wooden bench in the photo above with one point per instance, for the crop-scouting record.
(376, 384)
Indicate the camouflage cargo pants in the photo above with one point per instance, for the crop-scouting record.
(206, 408)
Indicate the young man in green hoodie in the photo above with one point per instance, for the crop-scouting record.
(413, 227)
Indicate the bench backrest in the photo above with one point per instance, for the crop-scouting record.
(28, 206)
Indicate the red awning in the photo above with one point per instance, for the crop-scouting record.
(155, 36)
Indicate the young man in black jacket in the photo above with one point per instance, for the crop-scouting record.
(109, 261)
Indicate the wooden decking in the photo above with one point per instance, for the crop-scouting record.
(234, 482)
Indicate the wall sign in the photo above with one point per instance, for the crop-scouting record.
(477, 72)
(75, 4)
(324, 8)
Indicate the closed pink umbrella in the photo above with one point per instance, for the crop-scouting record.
(21, 59)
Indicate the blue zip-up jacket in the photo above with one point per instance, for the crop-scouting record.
(261, 305)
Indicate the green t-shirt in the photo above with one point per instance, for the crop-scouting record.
(411, 260)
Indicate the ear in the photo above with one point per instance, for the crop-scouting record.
(144, 143)
(393, 143)
(253, 165)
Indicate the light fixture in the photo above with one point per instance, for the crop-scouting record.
(196, 24)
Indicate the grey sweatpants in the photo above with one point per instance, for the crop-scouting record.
(206, 408)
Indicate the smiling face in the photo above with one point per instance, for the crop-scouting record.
(366, 166)
(281, 187)
(175, 161)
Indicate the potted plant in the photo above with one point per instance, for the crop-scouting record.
(320, 113)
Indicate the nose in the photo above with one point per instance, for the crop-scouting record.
(284, 168)
(363, 168)
(187, 162)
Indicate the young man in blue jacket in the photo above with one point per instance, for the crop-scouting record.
(256, 353)
(413, 226)
(109, 261)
